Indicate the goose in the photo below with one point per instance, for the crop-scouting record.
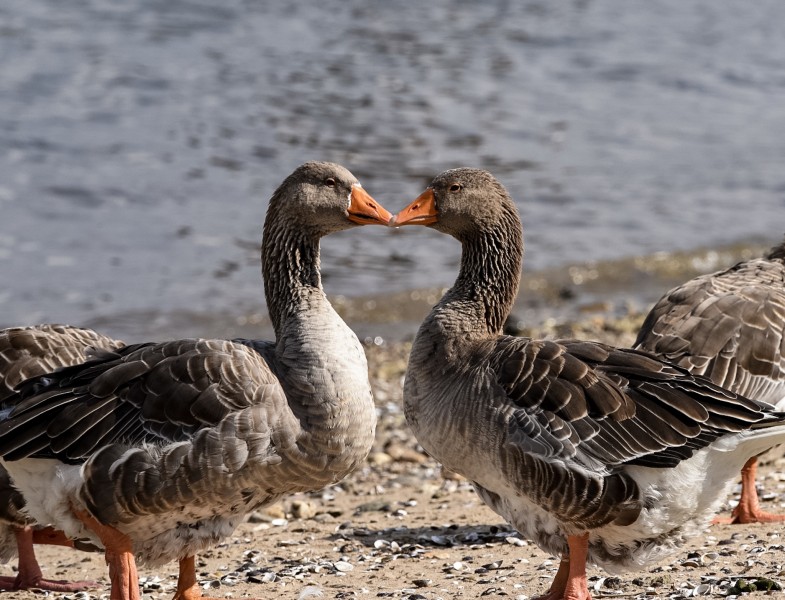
(598, 454)
(27, 352)
(730, 327)
(158, 450)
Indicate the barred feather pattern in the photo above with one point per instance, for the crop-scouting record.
(566, 437)
(28, 352)
(728, 326)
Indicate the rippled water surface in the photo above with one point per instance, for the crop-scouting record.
(140, 140)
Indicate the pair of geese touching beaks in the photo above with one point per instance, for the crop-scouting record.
(614, 456)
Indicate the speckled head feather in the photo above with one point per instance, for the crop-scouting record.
(471, 202)
(314, 199)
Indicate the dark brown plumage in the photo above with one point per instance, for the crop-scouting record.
(589, 450)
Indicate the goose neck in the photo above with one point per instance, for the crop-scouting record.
(488, 280)
(290, 268)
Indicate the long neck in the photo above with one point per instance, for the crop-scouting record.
(487, 284)
(290, 267)
(335, 420)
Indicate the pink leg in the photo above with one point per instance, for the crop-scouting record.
(119, 556)
(187, 587)
(570, 580)
(30, 575)
(748, 510)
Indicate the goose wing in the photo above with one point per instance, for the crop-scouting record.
(154, 393)
(579, 411)
(729, 326)
(27, 352)
(616, 405)
(123, 414)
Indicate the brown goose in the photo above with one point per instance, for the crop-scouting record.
(161, 449)
(27, 352)
(596, 453)
(730, 327)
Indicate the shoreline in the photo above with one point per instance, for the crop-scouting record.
(551, 301)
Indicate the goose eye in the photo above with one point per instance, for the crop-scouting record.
(329, 182)
(456, 187)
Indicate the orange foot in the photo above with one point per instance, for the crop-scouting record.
(29, 575)
(187, 587)
(748, 510)
(39, 583)
(570, 580)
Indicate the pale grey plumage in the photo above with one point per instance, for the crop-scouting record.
(178, 441)
(562, 437)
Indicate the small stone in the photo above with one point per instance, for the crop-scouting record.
(303, 509)
(275, 511)
(374, 506)
(403, 454)
(379, 458)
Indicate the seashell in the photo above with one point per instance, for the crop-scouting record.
(692, 563)
(701, 590)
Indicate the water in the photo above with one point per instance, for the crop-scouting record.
(140, 140)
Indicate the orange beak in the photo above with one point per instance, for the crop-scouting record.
(420, 212)
(364, 210)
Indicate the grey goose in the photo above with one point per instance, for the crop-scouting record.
(27, 352)
(730, 327)
(159, 450)
(600, 454)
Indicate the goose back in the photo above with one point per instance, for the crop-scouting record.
(728, 326)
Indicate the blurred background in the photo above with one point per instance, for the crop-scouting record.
(141, 139)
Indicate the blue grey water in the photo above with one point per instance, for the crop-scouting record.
(140, 139)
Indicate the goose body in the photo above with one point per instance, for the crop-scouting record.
(730, 327)
(27, 352)
(158, 451)
(596, 453)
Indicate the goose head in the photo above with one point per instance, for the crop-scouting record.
(461, 202)
(322, 198)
